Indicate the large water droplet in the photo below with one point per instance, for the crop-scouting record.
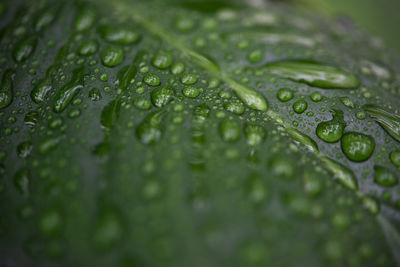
(395, 158)
(389, 121)
(255, 134)
(341, 173)
(112, 56)
(125, 77)
(40, 91)
(384, 176)
(85, 18)
(331, 131)
(357, 146)
(119, 34)
(68, 91)
(24, 48)
(300, 106)
(303, 139)
(230, 130)
(162, 96)
(45, 18)
(314, 74)
(6, 89)
(150, 129)
(162, 60)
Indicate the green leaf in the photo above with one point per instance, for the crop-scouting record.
(205, 133)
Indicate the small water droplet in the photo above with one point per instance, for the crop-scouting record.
(300, 106)
(189, 79)
(190, 91)
(285, 94)
(88, 48)
(234, 107)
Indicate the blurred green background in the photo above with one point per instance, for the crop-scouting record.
(378, 17)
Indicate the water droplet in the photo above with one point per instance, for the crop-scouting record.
(150, 129)
(255, 55)
(177, 68)
(74, 113)
(395, 157)
(142, 102)
(316, 97)
(250, 97)
(88, 48)
(312, 184)
(313, 74)
(110, 113)
(341, 173)
(56, 122)
(357, 146)
(40, 91)
(49, 144)
(384, 177)
(125, 77)
(85, 18)
(45, 18)
(50, 223)
(24, 149)
(112, 56)
(234, 107)
(285, 94)
(271, 38)
(300, 106)
(162, 96)
(119, 34)
(107, 230)
(389, 121)
(340, 221)
(94, 94)
(361, 115)
(184, 24)
(347, 102)
(331, 131)
(6, 89)
(230, 130)
(371, 204)
(152, 80)
(21, 181)
(189, 79)
(24, 48)
(31, 118)
(282, 167)
(68, 91)
(255, 134)
(303, 139)
(162, 60)
(378, 70)
(190, 91)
